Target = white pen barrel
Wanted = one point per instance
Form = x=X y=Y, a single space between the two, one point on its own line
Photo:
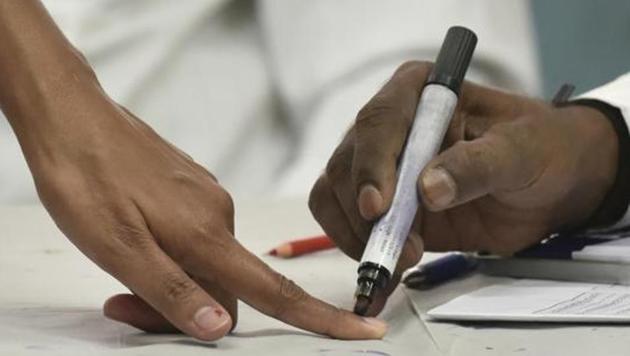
x=433 y=114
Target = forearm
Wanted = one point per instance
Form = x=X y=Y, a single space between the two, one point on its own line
x=41 y=72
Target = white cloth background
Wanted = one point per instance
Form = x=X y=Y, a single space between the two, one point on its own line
x=260 y=92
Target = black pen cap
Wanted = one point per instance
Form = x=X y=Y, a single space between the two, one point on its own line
x=454 y=57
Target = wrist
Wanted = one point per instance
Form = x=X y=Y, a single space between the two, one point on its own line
x=43 y=76
x=597 y=144
x=616 y=202
x=49 y=109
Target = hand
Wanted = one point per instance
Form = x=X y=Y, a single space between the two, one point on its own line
x=133 y=203
x=512 y=169
x=161 y=224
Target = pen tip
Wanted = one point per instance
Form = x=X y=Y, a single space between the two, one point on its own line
x=273 y=252
x=361 y=305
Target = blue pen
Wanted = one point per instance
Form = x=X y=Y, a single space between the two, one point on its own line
x=439 y=271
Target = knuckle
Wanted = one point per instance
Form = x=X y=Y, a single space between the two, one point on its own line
x=183 y=178
x=379 y=111
x=331 y=324
x=192 y=181
x=201 y=229
x=212 y=223
x=131 y=235
x=316 y=196
x=414 y=67
x=340 y=164
x=290 y=295
x=205 y=171
x=413 y=73
x=290 y=291
x=177 y=288
x=381 y=123
x=209 y=230
x=225 y=201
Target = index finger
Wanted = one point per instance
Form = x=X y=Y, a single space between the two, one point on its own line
x=268 y=291
x=381 y=130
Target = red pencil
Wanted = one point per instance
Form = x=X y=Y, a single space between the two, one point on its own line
x=303 y=246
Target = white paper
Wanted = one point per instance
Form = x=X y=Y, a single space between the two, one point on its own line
x=617 y=250
x=540 y=301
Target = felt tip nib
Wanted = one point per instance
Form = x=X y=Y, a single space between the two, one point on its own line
x=361 y=305
x=273 y=252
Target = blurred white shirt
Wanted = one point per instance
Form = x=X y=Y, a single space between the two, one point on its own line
x=260 y=92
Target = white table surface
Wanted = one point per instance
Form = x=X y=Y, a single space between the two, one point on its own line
x=515 y=338
x=51 y=297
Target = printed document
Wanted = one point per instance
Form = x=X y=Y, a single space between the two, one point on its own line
x=540 y=301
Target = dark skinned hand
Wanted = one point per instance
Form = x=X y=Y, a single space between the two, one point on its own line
x=512 y=170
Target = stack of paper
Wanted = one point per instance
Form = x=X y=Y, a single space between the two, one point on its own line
x=540 y=301
x=612 y=251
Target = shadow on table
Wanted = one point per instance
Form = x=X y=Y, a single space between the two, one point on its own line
x=80 y=326
x=68 y=327
x=274 y=332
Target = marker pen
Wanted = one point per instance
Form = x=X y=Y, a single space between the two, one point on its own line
x=433 y=114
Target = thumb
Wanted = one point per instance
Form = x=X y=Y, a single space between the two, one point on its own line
x=472 y=169
x=131 y=309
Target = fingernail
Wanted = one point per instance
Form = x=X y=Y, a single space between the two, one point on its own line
x=378 y=326
x=370 y=202
x=210 y=319
x=438 y=187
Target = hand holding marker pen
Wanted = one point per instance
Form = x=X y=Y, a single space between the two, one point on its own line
x=435 y=108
